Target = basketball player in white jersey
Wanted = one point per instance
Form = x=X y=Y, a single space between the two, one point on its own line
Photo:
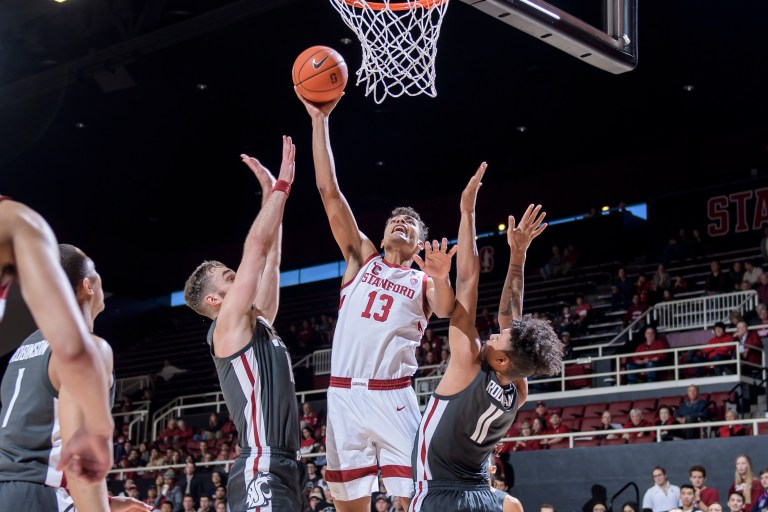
x=384 y=308
x=28 y=252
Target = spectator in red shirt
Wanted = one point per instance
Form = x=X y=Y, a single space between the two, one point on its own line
x=762 y=288
x=308 y=442
x=750 y=346
x=665 y=418
x=565 y=323
x=583 y=313
x=185 y=432
x=310 y=417
x=705 y=496
x=543 y=412
x=555 y=428
x=527 y=445
x=650 y=344
x=484 y=323
x=721 y=353
x=170 y=432
x=635 y=310
x=731 y=430
x=636 y=421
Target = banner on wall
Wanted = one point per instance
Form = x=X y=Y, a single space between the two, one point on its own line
x=728 y=216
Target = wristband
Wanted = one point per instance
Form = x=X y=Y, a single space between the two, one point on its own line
x=282 y=186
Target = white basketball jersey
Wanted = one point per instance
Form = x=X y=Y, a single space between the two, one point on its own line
x=382 y=317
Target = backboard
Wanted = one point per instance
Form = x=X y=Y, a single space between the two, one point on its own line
x=612 y=48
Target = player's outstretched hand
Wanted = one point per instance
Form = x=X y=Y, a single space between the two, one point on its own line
x=469 y=195
x=126 y=504
x=265 y=177
x=531 y=225
x=288 y=165
x=87 y=456
x=437 y=259
x=318 y=110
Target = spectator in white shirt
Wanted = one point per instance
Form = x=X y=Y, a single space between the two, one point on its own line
x=752 y=274
x=663 y=496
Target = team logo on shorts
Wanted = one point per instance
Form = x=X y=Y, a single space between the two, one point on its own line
x=259 y=494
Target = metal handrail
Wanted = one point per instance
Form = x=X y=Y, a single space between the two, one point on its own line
x=628 y=330
x=657 y=429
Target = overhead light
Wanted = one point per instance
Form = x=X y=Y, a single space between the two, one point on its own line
x=688 y=88
x=59 y=1
x=605 y=208
x=522 y=129
x=79 y=124
x=202 y=87
x=502 y=227
x=345 y=40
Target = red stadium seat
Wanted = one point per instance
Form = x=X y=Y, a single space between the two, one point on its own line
x=577 y=370
x=573 y=411
x=592 y=410
x=762 y=428
x=588 y=424
x=572 y=423
x=646 y=405
x=670 y=401
x=560 y=445
x=641 y=440
x=620 y=407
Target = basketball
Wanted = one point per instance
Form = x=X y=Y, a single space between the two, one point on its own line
x=320 y=74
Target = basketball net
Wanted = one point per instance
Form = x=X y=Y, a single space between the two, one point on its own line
x=399 y=41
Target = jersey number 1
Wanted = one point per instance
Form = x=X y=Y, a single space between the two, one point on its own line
x=382 y=315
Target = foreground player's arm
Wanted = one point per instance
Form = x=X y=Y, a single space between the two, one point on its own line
x=233 y=329
x=511 y=504
x=87 y=496
x=354 y=245
x=462 y=336
x=49 y=296
x=268 y=295
x=519 y=239
x=440 y=295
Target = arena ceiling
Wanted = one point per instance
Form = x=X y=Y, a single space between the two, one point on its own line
x=122 y=122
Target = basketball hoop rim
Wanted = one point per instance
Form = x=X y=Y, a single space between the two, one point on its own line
x=394 y=6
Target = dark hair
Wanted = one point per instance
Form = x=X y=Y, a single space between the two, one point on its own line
x=534 y=348
x=410 y=212
x=698 y=468
x=630 y=504
x=687 y=486
x=660 y=469
x=763 y=471
x=75 y=264
x=737 y=493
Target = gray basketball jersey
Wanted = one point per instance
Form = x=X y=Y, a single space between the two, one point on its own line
x=499 y=496
x=457 y=433
x=258 y=387
x=30 y=439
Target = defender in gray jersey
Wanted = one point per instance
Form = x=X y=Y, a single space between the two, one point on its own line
x=39 y=413
x=252 y=362
x=485 y=383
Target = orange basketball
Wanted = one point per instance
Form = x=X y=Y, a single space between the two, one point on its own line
x=320 y=74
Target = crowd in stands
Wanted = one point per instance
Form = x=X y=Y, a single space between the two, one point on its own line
x=748 y=492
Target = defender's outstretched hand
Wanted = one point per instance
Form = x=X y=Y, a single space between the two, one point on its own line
x=318 y=110
x=265 y=177
x=437 y=259
x=87 y=456
x=469 y=195
x=520 y=237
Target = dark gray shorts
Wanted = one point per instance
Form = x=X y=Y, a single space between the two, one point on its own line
x=442 y=496
x=32 y=496
x=277 y=485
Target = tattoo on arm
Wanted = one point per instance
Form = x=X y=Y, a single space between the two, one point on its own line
x=512 y=294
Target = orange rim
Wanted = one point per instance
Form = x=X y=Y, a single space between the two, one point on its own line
x=394 y=6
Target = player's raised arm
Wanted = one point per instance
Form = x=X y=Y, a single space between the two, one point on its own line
x=233 y=323
x=49 y=296
x=354 y=245
x=519 y=238
x=463 y=338
x=268 y=295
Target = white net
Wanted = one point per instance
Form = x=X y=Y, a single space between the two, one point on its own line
x=399 y=42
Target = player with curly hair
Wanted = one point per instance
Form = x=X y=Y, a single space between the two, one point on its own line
x=485 y=383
